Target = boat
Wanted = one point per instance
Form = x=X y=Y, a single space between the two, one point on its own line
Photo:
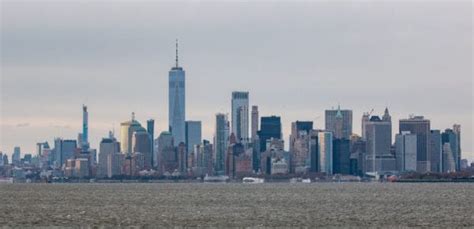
x=208 y=178
x=253 y=180
x=8 y=180
x=300 y=180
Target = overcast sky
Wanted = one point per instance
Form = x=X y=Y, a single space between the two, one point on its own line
x=295 y=59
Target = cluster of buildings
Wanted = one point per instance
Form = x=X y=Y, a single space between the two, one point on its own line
x=246 y=145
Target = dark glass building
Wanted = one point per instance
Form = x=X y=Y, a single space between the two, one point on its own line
x=341 y=156
x=270 y=127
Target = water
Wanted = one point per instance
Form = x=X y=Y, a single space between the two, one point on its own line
x=243 y=205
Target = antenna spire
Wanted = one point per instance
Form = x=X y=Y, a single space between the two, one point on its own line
x=176 y=52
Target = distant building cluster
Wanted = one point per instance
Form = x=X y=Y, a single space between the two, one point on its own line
x=245 y=146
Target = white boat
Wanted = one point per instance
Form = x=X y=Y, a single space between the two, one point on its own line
x=253 y=180
x=299 y=180
x=6 y=180
x=208 y=178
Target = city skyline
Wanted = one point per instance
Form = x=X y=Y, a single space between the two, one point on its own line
x=26 y=127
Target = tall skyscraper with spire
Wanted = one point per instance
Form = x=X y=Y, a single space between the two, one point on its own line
x=176 y=102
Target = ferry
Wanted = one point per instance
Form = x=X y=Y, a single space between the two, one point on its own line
x=253 y=180
x=208 y=178
x=6 y=180
x=300 y=180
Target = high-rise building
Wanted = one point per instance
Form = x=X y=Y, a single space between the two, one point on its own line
x=85 y=129
x=167 y=157
x=68 y=149
x=378 y=134
x=405 y=146
x=126 y=133
x=150 y=128
x=449 y=164
x=220 y=142
x=452 y=137
x=270 y=127
x=107 y=146
x=421 y=127
x=436 y=151
x=300 y=146
x=339 y=122
x=176 y=103
x=141 y=142
x=254 y=122
x=193 y=134
x=341 y=156
x=240 y=115
x=16 y=157
x=457 y=131
x=325 y=145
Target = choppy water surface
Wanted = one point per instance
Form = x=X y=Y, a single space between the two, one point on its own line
x=243 y=205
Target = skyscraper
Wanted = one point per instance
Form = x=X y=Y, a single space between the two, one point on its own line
x=85 y=129
x=405 y=147
x=240 y=115
x=141 y=142
x=339 y=122
x=220 y=142
x=270 y=127
x=341 y=156
x=107 y=147
x=16 y=157
x=378 y=133
x=150 y=128
x=254 y=122
x=126 y=133
x=176 y=103
x=193 y=134
x=325 y=152
x=300 y=146
x=452 y=137
x=421 y=127
x=436 y=151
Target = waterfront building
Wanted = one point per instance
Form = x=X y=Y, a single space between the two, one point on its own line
x=274 y=149
x=81 y=167
x=177 y=101
x=240 y=115
x=193 y=134
x=449 y=163
x=378 y=135
x=358 y=153
x=436 y=151
x=452 y=136
x=339 y=122
x=325 y=145
x=270 y=127
x=341 y=156
x=300 y=146
x=221 y=137
x=114 y=164
x=167 y=158
x=405 y=145
x=421 y=127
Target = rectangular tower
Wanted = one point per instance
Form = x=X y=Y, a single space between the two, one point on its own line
x=240 y=115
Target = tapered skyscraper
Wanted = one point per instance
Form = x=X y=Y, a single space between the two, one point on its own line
x=176 y=103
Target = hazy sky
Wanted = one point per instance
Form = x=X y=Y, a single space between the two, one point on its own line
x=296 y=59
